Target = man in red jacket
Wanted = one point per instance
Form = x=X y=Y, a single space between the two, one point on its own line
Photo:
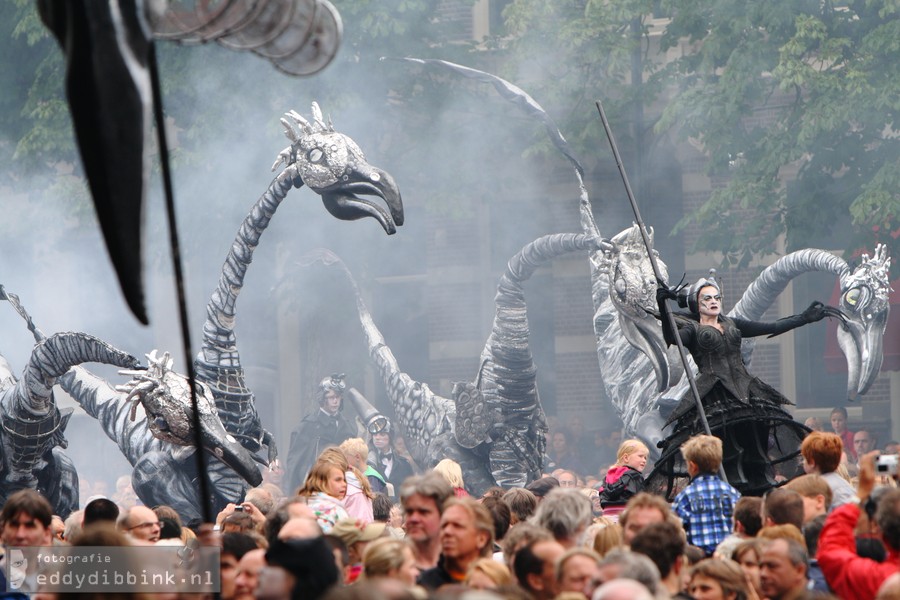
x=849 y=575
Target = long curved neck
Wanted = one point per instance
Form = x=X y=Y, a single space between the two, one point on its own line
x=766 y=288
x=508 y=342
x=219 y=343
x=50 y=359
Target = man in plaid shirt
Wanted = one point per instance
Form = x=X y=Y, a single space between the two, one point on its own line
x=706 y=505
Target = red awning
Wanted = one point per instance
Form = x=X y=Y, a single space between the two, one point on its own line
x=834 y=358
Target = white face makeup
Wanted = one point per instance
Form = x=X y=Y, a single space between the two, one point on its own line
x=710 y=301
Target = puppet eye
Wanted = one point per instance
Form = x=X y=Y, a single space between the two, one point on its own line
x=856 y=298
x=315 y=155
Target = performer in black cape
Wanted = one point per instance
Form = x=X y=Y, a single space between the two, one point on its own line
x=324 y=427
x=760 y=439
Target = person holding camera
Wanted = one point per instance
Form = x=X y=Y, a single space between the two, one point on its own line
x=849 y=575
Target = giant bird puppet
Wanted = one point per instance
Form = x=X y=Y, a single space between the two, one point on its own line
x=330 y=164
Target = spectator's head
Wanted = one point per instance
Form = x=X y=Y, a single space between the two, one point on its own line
x=500 y=514
x=541 y=487
x=567 y=479
x=783 y=506
x=389 y=557
x=633 y=453
x=291 y=508
x=782 y=568
x=308 y=568
x=247 y=576
x=381 y=508
x=704 y=451
x=451 y=472
x=26 y=518
x=520 y=536
x=748 y=515
x=467 y=531
x=816 y=494
x=663 y=543
x=892 y=447
x=787 y=531
x=423 y=499
x=607 y=537
x=261 y=498
x=237 y=522
x=811 y=532
x=140 y=523
x=747 y=555
x=839 y=420
x=863 y=442
x=535 y=568
x=821 y=452
x=357 y=535
x=522 y=504
x=622 y=589
x=565 y=513
x=297 y=528
x=718 y=578
x=624 y=564
x=560 y=441
x=576 y=571
x=887 y=516
x=327 y=476
x=641 y=510
x=100 y=510
x=356 y=451
x=487 y=574
x=234 y=547
x=73 y=525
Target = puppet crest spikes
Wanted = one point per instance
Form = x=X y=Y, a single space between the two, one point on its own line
x=296 y=127
x=878 y=267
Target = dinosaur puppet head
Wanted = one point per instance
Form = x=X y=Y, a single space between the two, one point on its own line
x=632 y=290
x=166 y=398
x=333 y=166
x=865 y=294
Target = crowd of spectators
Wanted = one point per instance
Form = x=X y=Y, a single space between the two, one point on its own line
x=564 y=536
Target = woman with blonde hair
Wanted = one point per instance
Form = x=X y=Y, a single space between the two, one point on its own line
x=717 y=579
x=392 y=558
x=452 y=473
x=607 y=537
x=325 y=489
x=488 y=574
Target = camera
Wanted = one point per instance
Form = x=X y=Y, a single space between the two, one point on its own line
x=241 y=508
x=887 y=465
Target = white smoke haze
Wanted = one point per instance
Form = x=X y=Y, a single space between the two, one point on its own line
x=466 y=162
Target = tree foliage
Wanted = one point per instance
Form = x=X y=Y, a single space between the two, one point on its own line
x=794 y=103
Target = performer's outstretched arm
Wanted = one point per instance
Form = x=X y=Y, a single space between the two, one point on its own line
x=815 y=312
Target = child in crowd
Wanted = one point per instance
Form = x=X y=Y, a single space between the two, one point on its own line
x=706 y=505
x=839 y=425
x=624 y=479
x=326 y=487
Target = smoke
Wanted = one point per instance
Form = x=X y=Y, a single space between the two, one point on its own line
x=456 y=150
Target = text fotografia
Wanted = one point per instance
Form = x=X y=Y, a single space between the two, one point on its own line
x=97 y=569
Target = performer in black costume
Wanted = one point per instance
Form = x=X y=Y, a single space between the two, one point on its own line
x=318 y=430
x=758 y=435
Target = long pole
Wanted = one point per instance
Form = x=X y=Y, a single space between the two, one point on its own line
x=667 y=313
x=202 y=475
